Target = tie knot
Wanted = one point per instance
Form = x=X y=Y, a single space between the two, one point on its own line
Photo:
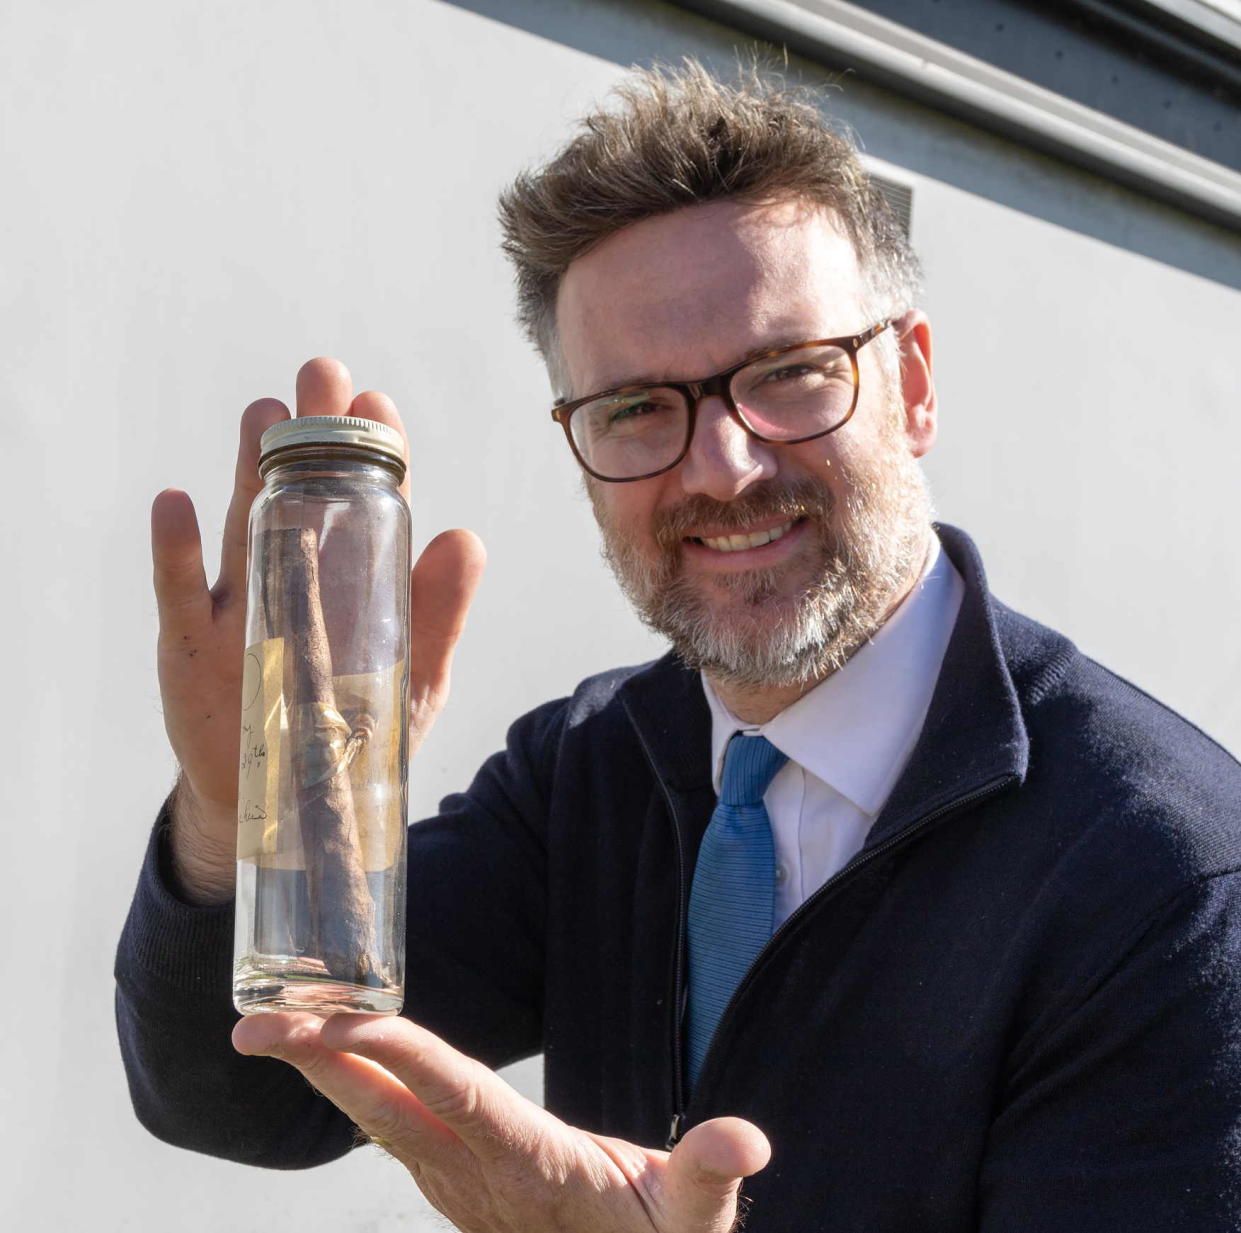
x=750 y=764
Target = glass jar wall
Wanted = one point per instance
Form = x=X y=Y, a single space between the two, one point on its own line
x=321 y=874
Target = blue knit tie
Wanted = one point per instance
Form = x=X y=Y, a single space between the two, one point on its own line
x=732 y=902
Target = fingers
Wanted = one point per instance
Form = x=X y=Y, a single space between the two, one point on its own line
x=256 y=419
x=373 y=405
x=441 y=588
x=365 y=1092
x=470 y=1100
x=181 y=594
x=705 y=1172
x=324 y=387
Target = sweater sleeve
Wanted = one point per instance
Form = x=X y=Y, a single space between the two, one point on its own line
x=474 y=970
x=1127 y=1116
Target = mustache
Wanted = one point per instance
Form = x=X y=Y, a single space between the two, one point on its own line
x=790 y=500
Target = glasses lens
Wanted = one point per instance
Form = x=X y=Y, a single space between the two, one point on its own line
x=796 y=394
x=632 y=433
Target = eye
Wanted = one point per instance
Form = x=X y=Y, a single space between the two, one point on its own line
x=795 y=375
x=790 y=372
x=628 y=411
x=633 y=410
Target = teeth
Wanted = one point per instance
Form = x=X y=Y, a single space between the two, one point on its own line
x=735 y=543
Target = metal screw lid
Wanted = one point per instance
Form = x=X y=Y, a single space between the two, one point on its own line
x=344 y=431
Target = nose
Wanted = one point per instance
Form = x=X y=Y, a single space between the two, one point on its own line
x=723 y=459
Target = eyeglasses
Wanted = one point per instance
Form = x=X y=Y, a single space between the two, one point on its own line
x=783 y=397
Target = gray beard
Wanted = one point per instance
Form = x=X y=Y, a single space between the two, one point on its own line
x=870 y=549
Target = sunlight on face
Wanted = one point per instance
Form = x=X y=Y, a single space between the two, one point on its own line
x=682 y=295
x=761 y=627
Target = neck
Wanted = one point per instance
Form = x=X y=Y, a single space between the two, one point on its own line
x=756 y=704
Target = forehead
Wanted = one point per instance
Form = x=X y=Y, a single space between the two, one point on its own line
x=688 y=293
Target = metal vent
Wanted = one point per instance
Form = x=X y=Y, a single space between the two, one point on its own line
x=900 y=199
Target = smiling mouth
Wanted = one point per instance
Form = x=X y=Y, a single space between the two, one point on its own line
x=739 y=543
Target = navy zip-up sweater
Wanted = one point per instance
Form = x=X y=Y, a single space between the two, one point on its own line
x=1017 y=1010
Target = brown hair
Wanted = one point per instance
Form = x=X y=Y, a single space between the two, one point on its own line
x=681 y=137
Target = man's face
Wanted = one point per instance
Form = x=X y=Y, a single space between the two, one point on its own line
x=681 y=296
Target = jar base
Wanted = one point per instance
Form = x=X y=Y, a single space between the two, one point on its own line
x=294 y=988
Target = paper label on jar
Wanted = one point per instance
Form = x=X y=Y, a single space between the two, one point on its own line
x=262 y=722
x=371 y=704
x=359 y=737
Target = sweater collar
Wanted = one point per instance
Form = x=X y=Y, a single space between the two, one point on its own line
x=973 y=735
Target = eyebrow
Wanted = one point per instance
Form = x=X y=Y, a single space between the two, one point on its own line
x=755 y=353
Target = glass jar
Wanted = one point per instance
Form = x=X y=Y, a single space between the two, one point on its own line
x=325 y=723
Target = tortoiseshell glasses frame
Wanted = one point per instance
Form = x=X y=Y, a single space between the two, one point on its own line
x=719 y=384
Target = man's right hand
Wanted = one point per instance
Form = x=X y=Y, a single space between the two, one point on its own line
x=202 y=632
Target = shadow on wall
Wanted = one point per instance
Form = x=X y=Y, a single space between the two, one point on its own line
x=900 y=131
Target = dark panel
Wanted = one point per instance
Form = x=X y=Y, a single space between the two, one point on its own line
x=1102 y=54
x=904 y=132
x=900 y=199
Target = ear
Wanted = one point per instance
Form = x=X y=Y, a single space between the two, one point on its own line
x=917 y=386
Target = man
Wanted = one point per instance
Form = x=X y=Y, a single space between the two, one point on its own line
x=871 y=892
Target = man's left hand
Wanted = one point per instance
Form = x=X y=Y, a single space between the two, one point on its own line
x=489 y=1159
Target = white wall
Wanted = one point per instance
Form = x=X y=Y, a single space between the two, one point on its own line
x=201 y=196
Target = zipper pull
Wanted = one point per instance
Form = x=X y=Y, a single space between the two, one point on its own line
x=674 y=1131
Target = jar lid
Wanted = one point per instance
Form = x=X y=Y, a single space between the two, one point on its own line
x=339 y=431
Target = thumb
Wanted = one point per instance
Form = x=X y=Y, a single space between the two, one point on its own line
x=705 y=1170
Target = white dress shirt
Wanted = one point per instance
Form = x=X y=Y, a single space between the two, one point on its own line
x=849 y=738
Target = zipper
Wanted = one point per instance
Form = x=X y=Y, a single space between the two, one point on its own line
x=677 y=998
x=906 y=835
x=674 y=1131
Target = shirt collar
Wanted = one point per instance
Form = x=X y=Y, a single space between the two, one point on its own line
x=856 y=729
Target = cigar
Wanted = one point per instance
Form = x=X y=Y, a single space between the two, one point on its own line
x=322 y=746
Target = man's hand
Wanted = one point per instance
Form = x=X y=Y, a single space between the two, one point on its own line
x=490 y=1160
x=202 y=631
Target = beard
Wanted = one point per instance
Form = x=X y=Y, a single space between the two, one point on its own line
x=795 y=623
